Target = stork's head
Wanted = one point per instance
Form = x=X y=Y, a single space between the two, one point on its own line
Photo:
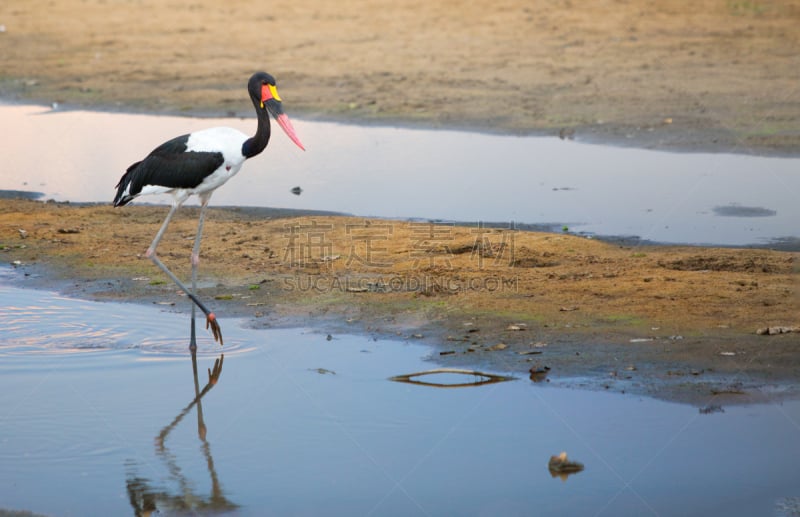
x=265 y=96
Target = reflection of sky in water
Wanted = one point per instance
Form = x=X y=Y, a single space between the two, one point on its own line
x=391 y=172
x=77 y=429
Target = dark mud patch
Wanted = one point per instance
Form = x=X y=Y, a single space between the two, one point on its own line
x=734 y=210
x=730 y=263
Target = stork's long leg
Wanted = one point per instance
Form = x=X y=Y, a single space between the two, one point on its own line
x=211 y=320
x=196 y=261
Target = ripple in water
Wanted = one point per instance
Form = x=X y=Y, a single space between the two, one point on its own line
x=40 y=322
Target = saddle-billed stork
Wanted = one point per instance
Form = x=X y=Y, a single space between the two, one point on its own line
x=199 y=163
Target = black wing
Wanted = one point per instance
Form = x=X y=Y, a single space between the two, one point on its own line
x=168 y=165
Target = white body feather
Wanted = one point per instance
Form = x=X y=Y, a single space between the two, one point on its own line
x=225 y=140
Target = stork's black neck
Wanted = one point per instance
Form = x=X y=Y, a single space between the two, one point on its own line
x=254 y=145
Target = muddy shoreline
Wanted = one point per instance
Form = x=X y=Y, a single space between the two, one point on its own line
x=677 y=323
x=699 y=370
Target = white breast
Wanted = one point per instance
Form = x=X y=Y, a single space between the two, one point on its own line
x=225 y=140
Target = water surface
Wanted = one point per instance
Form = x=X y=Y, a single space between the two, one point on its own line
x=97 y=418
x=697 y=198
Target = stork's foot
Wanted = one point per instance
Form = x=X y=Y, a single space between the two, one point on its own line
x=213 y=375
x=211 y=322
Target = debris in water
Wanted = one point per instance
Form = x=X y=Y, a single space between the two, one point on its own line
x=562 y=467
x=566 y=133
x=538 y=373
x=498 y=346
x=712 y=408
x=517 y=326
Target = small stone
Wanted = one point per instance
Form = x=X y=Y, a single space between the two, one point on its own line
x=713 y=408
x=538 y=373
x=562 y=464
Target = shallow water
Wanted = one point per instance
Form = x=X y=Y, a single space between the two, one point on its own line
x=696 y=198
x=96 y=418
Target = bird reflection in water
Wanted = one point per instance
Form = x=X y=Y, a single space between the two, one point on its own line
x=147 y=499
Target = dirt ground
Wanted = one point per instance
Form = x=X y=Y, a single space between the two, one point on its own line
x=673 y=322
x=680 y=74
